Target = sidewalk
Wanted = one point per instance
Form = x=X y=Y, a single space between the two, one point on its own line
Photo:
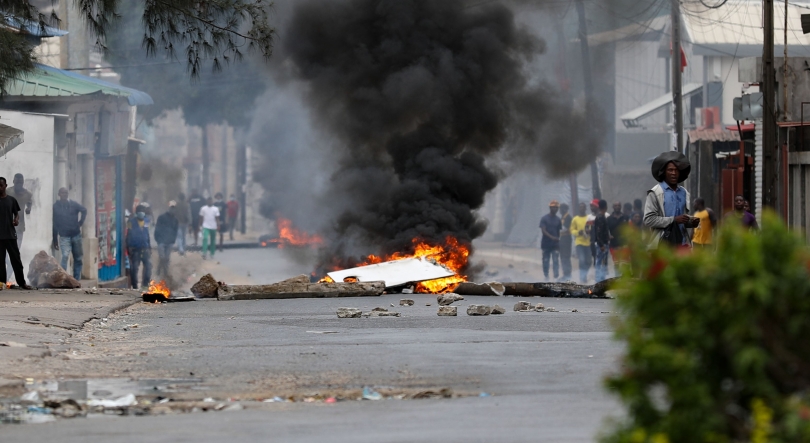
x=34 y=324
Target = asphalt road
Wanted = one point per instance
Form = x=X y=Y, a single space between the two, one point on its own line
x=543 y=371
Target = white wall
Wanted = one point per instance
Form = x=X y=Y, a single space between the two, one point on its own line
x=726 y=70
x=35 y=160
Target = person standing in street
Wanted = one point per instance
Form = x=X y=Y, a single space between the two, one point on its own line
x=666 y=211
x=166 y=229
x=589 y=227
x=551 y=225
x=139 y=248
x=703 y=236
x=195 y=203
x=232 y=208
x=582 y=242
x=9 y=219
x=68 y=219
x=565 y=242
x=209 y=215
x=25 y=200
x=617 y=221
x=183 y=215
x=741 y=215
x=601 y=236
x=219 y=202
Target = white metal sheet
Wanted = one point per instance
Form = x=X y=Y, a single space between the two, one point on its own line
x=395 y=273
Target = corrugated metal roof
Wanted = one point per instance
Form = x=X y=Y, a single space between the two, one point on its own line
x=736 y=28
x=630 y=119
x=712 y=135
x=9 y=138
x=47 y=81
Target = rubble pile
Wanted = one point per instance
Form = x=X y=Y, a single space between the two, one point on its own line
x=44 y=272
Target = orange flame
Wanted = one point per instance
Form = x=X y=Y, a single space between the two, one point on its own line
x=452 y=255
x=9 y=285
x=290 y=236
x=159 y=288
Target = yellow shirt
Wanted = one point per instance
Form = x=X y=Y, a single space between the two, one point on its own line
x=703 y=233
x=581 y=237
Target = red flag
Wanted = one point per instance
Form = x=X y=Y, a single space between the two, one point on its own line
x=684 y=64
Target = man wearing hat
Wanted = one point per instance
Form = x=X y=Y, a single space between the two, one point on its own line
x=666 y=211
x=165 y=236
x=551 y=225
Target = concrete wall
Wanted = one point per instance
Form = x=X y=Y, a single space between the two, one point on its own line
x=35 y=160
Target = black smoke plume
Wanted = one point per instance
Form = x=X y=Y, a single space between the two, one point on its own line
x=420 y=93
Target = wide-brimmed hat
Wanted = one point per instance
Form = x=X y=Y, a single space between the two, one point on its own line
x=659 y=165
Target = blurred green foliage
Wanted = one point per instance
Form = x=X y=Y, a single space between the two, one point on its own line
x=717 y=342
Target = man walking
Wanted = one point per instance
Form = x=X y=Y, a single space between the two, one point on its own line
x=704 y=234
x=551 y=226
x=139 y=248
x=565 y=242
x=582 y=242
x=223 y=224
x=232 y=208
x=165 y=235
x=68 y=218
x=601 y=235
x=9 y=219
x=195 y=203
x=183 y=215
x=666 y=211
x=209 y=215
x=617 y=221
x=24 y=200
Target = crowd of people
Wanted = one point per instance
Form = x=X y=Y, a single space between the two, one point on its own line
x=197 y=216
x=597 y=237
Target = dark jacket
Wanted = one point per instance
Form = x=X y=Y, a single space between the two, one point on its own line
x=66 y=221
x=166 y=229
x=137 y=236
x=183 y=213
x=601 y=232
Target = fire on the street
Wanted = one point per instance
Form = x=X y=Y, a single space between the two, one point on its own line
x=157 y=292
x=9 y=285
x=451 y=254
x=291 y=236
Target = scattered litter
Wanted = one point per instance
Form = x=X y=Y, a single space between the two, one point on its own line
x=133 y=326
x=407 y=291
x=330 y=400
x=208 y=400
x=371 y=394
x=442 y=393
x=406 y=302
x=32 y=396
x=552 y=310
x=13 y=344
x=484 y=394
x=127 y=400
x=274 y=400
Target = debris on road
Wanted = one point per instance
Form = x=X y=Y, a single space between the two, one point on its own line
x=206 y=287
x=448 y=311
x=44 y=272
x=380 y=312
x=551 y=310
x=522 y=306
x=126 y=400
x=371 y=394
x=561 y=290
x=497 y=310
x=448 y=299
x=479 y=310
x=470 y=288
x=406 y=302
x=395 y=273
x=539 y=307
x=300 y=287
x=349 y=313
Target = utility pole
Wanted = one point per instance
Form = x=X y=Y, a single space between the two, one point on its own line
x=677 y=81
x=586 y=74
x=769 y=191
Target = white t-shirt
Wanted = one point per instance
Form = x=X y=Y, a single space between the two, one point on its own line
x=209 y=215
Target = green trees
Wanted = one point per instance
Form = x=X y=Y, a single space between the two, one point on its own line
x=200 y=32
x=718 y=344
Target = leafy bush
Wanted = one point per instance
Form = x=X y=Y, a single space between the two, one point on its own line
x=717 y=343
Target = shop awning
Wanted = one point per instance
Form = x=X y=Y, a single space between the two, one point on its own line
x=10 y=138
x=631 y=119
x=47 y=81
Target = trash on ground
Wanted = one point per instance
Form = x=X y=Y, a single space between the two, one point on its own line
x=371 y=394
x=120 y=402
x=406 y=302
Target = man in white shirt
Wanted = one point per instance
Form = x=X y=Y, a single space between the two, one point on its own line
x=209 y=215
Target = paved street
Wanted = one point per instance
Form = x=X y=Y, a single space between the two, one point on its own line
x=543 y=371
